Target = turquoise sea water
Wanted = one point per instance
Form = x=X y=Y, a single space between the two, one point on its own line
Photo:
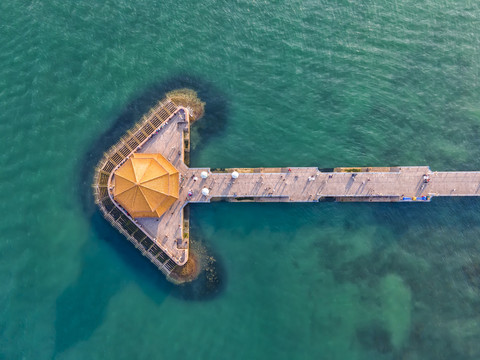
x=306 y=83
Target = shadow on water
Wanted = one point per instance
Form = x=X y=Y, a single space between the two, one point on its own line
x=101 y=278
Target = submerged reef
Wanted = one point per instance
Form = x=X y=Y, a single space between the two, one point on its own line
x=189 y=99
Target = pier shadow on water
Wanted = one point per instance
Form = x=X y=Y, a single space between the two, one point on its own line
x=101 y=278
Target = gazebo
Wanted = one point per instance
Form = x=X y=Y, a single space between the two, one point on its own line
x=146 y=185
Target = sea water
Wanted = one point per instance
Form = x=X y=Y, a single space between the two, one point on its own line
x=287 y=83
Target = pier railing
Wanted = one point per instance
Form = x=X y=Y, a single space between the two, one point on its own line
x=116 y=156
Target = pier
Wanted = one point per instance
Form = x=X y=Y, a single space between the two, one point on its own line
x=144 y=182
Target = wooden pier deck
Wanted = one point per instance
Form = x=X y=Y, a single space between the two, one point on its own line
x=112 y=159
x=165 y=240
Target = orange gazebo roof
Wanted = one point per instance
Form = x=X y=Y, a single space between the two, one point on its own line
x=146 y=185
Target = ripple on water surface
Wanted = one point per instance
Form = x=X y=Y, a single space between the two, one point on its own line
x=304 y=83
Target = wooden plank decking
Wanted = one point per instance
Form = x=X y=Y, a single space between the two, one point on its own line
x=114 y=157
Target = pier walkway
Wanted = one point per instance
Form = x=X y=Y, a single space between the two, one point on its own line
x=167 y=237
x=310 y=184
